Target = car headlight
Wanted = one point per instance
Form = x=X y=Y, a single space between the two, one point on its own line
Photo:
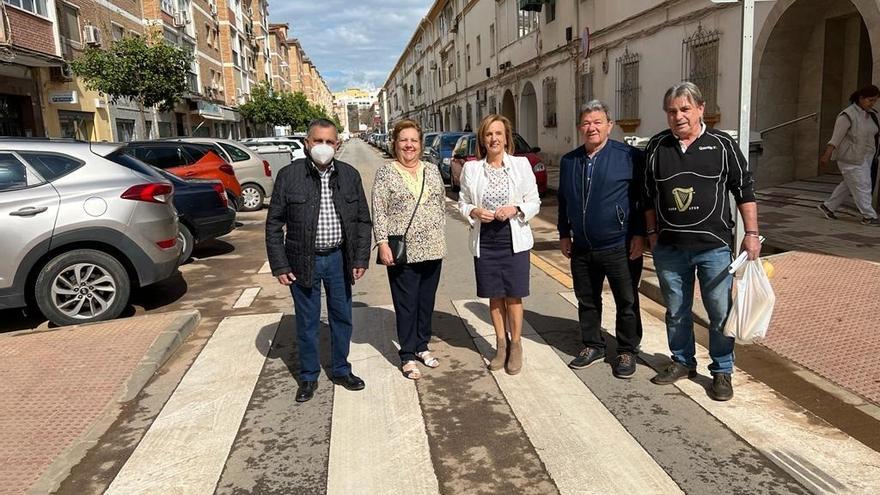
x=539 y=167
x=447 y=161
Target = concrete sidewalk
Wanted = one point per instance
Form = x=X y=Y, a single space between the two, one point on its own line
x=62 y=388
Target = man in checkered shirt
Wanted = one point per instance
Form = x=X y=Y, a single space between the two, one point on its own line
x=318 y=232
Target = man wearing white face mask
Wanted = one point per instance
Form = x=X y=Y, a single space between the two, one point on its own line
x=318 y=230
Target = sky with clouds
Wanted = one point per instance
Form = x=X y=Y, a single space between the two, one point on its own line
x=353 y=43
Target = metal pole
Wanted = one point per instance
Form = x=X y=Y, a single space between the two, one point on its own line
x=745 y=95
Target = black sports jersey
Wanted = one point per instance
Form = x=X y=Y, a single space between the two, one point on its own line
x=689 y=189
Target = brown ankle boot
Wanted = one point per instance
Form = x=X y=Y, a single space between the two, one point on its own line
x=515 y=357
x=500 y=357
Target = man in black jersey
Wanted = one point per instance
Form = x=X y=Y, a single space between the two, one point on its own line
x=690 y=169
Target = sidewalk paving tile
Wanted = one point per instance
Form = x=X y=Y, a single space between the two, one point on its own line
x=55 y=384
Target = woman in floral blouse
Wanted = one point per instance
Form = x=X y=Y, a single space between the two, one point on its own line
x=396 y=191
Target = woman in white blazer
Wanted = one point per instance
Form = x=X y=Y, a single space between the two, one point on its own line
x=498 y=197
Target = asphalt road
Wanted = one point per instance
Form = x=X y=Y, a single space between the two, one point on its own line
x=461 y=429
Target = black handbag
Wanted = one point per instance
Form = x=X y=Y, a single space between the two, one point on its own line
x=397 y=243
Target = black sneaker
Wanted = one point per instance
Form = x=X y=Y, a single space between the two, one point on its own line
x=871 y=222
x=722 y=388
x=625 y=366
x=586 y=357
x=825 y=211
x=673 y=373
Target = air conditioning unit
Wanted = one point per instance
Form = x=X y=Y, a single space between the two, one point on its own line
x=213 y=6
x=179 y=20
x=61 y=74
x=92 y=35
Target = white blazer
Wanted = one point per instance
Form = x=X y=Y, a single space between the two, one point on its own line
x=523 y=192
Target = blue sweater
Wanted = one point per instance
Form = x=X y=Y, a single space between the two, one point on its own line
x=599 y=197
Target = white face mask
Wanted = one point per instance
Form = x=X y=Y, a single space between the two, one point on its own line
x=322 y=153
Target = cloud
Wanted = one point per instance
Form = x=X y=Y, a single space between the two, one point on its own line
x=352 y=43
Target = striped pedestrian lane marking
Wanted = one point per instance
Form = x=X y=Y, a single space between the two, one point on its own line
x=265 y=268
x=821 y=457
x=186 y=447
x=568 y=426
x=246 y=298
x=378 y=441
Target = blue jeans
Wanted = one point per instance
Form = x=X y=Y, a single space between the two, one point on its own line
x=329 y=269
x=675 y=269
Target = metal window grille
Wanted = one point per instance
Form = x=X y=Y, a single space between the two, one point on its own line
x=550 y=102
x=628 y=86
x=526 y=22
x=699 y=55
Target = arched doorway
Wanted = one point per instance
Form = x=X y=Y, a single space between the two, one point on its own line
x=508 y=107
x=809 y=56
x=528 y=112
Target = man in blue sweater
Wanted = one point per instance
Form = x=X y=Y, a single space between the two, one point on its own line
x=601 y=229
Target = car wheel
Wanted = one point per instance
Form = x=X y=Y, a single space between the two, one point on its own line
x=186 y=241
x=251 y=197
x=82 y=286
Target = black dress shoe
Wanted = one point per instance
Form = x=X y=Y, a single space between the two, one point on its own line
x=306 y=391
x=672 y=373
x=350 y=381
x=722 y=387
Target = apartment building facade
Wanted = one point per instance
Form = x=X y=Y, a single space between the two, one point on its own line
x=231 y=42
x=537 y=61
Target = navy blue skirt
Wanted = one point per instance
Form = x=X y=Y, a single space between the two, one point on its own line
x=500 y=272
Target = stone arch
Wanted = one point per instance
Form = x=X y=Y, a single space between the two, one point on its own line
x=508 y=107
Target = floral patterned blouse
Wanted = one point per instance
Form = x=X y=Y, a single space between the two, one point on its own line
x=393 y=204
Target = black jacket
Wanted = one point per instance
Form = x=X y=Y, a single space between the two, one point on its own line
x=292 y=221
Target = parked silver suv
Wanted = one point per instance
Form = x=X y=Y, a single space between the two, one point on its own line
x=81 y=226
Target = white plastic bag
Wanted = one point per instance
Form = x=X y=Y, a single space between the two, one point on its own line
x=753 y=302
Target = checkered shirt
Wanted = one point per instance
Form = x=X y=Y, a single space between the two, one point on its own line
x=329 y=233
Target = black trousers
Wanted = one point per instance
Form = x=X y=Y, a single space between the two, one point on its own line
x=413 y=291
x=589 y=270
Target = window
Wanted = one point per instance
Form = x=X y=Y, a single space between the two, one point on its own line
x=520 y=145
x=526 y=22
x=479 y=52
x=167 y=6
x=35 y=6
x=700 y=66
x=628 y=86
x=587 y=87
x=419 y=74
x=50 y=165
x=163 y=157
x=491 y=40
x=209 y=34
x=467 y=55
x=68 y=29
x=77 y=125
x=457 y=64
x=124 y=130
x=13 y=174
x=237 y=154
x=148 y=129
x=550 y=13
x=550 y=102
x=164 y=129
x=117 y=31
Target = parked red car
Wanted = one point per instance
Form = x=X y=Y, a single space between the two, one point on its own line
x=188 y=161
x=466 y=150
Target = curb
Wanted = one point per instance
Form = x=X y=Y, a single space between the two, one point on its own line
x=166 y=343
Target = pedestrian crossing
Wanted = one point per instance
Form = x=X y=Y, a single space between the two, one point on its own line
x=379 y=441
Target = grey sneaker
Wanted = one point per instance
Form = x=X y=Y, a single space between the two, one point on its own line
x=871 y=222
x=826 y=212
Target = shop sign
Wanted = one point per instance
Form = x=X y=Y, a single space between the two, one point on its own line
x=63 y=97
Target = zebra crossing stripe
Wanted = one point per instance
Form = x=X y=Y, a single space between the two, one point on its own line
x=185 y=449
x=265 y=268
x=583 y=446
x=821 y=457
x=378 y=442
x=246 y=298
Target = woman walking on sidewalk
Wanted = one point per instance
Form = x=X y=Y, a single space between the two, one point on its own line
x=409 y=224
x=498 y=197
x=854 y=146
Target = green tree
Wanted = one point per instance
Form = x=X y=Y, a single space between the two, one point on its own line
x=270 y=107
x=149 y=71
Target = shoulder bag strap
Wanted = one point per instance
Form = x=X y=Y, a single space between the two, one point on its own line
x=424 y=173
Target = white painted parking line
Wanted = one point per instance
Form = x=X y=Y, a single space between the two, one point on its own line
x=823 y=458
x=265 y=268
x=185 y=449
x=246 y=298
x=568 y=426
x=378 y=442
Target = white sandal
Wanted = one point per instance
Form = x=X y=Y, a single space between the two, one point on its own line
x=427 y=359
x=411 y=370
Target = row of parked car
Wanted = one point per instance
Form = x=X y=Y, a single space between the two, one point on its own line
x=86 y=223
x=450 y=150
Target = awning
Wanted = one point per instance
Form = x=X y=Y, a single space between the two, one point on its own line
x=209 y=110
x=29 y=58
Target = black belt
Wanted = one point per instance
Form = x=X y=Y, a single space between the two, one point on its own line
x=326 y=251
